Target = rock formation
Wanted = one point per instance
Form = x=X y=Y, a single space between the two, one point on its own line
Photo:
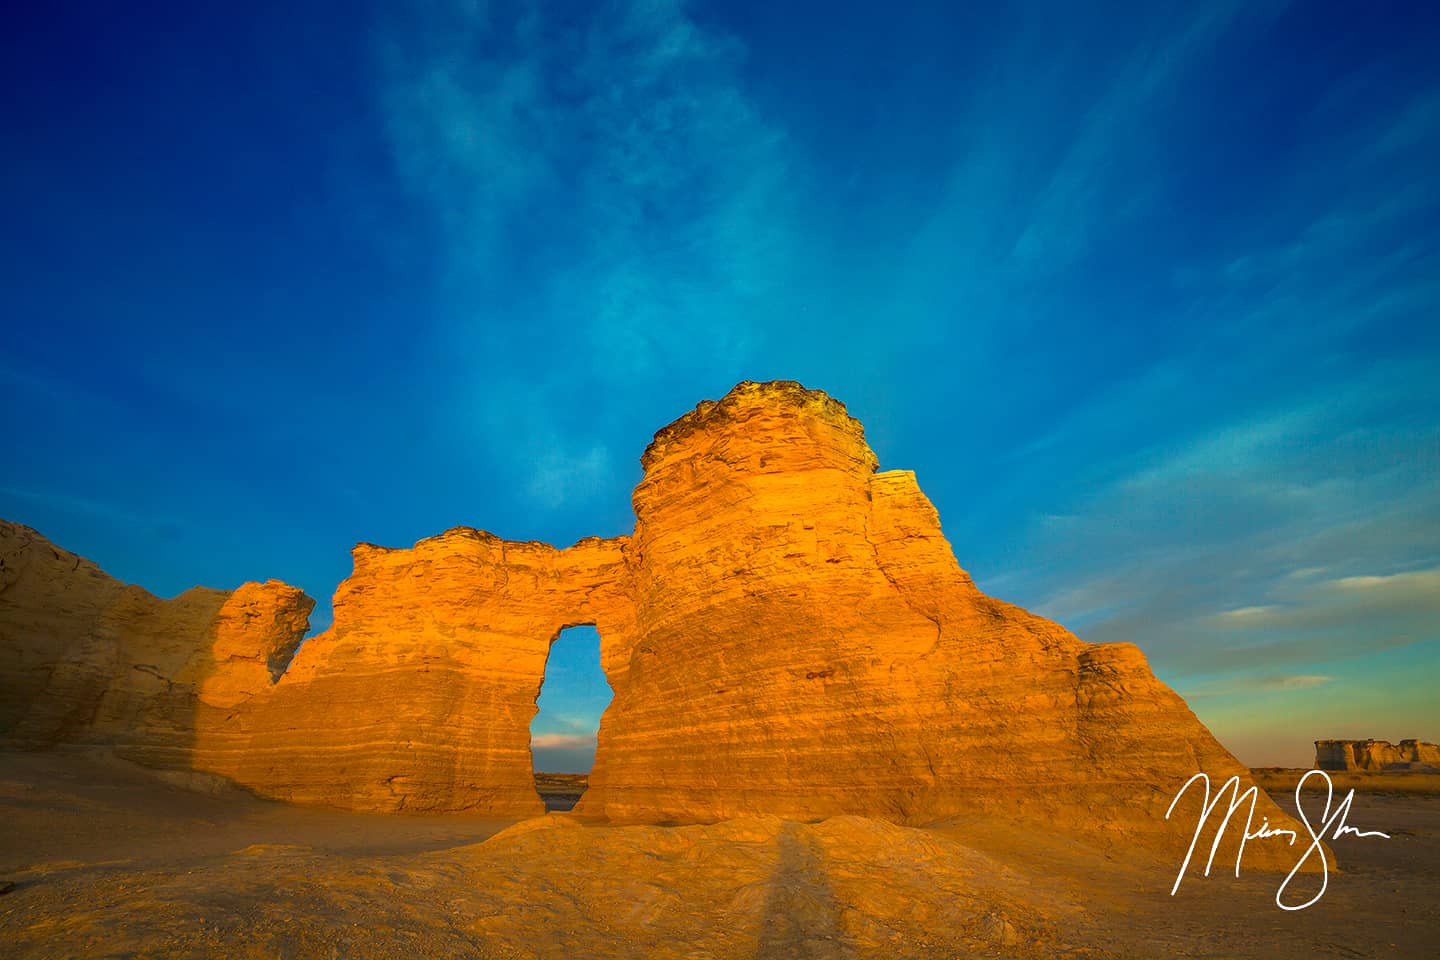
x=1376 y=755
x=91 y=660
x=806 y=645
x=421 y=694
x=787 y=632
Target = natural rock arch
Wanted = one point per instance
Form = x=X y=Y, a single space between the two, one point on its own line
x=420 y=695
x=787 y=631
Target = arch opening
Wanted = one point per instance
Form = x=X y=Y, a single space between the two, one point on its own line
x=573 y=693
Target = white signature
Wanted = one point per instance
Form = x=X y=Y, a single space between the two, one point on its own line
x=1328 y=820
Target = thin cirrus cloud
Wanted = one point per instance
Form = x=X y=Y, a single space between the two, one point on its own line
x=1260 y=563
x=563 y=741
x=563 y=753
x=1052 y=168
x=1083 y=278
x=1244 y=515
x=560 y=477
x=1411 y=597
x=1274 y=683
x=1297 y=682
x=1262 y=478
x=617 y=149
x=1144 y=293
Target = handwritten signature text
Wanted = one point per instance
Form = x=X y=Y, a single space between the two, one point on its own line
x=1332 y=825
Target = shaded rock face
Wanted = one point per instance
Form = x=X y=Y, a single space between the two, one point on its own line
x=786 y=632
x=1376 y=755
x=91 y=660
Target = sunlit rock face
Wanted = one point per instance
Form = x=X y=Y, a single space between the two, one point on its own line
x=420 y=696
x=787 y=632
x=806 y=645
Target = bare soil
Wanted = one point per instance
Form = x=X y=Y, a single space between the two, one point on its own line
x=108 y=861
x=1278 y=780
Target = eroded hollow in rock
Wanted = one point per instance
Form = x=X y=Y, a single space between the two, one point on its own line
x=572 y=697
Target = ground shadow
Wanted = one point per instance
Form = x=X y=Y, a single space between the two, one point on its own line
x=802 y=916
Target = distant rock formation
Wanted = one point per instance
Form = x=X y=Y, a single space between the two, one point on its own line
x=1377 y=755
x=786 y=632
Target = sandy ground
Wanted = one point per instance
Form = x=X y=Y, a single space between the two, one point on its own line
x=109 y=862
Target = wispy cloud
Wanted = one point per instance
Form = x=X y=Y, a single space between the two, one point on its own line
x=623 y=138
x=1212 y=489
x=1302 y=681
x=1417 y=585
x=562 y=741
x=1258 y=544
x=1245 y=614
x=1049 y=162
x=601 y=180
x=563 y=753
x=560 y=477
x=1242 y=530
x=1363 y=602
x=1247 y=684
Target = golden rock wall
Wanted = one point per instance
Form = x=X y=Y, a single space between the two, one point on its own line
x=786 y=631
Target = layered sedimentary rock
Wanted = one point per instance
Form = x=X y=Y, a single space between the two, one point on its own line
x=92 y=660
x=1375 y=755
x=419 y=697
x=807 y=645
x=786 y=632
x=421 y=694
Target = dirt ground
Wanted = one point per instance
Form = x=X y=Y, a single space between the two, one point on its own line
x=106 y=861
x=1278 y=780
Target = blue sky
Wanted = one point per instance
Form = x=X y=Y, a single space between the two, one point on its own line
x=1146 y=294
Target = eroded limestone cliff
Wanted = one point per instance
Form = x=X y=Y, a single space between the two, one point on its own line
x=1375 y=755
x=91 y=660
x=807 y=645
x=420 y=696
x=787 y=632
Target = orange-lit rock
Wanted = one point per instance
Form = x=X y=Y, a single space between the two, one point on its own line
x=787 y=632
x=420 y=696
x=806 y=645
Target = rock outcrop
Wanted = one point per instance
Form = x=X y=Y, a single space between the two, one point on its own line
x=787 y=632
x=420 y=696
x=1376 y=755
x=91 y=660
x=806 y=645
